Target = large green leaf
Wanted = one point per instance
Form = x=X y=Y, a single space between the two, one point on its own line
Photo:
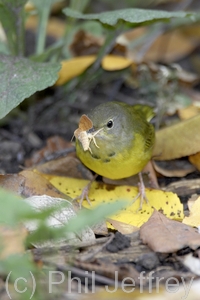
x=133 y=16
x=20 y=78
x=12 y=19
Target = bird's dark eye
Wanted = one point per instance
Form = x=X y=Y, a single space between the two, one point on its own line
x=110 y=124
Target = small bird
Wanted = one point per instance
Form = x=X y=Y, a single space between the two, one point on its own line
x=120 y=141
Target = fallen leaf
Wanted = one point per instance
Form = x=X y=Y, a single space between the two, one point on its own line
x=36 y=184
x=165 y=49
x=61 y=217
x=191 y=201
x=192 y=263
x=100 y=193
x=188 y=112
x=195 y=160
x=122 y=227
x=66 y=166
x=194 y=217
x=114 y=63
x=76 y=66
x=28 y=183
x=167 y=236
x=184 y=187
x=85 y=43
x=12 y=240
x=181 y=139
x=174 y=168
x=53 y=144
x=100 y=228
x=14 y=183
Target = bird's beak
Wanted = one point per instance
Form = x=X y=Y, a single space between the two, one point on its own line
x=94 y=131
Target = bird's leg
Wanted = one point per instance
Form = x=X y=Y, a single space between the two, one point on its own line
x=141 y=193
x=85 y=192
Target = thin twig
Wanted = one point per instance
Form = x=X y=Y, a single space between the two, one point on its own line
x=88 y=256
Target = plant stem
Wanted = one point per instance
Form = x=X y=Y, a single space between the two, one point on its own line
x=107 y=46
x=43 y=20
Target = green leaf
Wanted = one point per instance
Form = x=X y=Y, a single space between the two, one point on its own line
x=19 y=269
x=12 y=208
x=134 y=16
x=19 y=264
x=20 y=78
x=12 y=19
x=93 y=216
x=14 y=4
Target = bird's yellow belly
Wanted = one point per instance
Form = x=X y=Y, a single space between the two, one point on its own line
x=121 y=165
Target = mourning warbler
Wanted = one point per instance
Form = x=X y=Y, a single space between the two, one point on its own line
x=120 y=139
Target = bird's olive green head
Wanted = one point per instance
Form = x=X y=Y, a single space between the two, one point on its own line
x=115 y=121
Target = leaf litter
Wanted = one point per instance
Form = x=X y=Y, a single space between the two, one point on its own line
x=26 y=178
x=159 y=229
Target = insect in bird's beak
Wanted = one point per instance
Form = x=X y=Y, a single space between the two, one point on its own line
x=85 y=133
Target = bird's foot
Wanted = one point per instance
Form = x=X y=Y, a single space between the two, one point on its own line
x=85 y=193
x=141 y=193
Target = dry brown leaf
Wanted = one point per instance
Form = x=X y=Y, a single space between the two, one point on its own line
x=159 y=229
x=28 y=183
x=185 y=78
x=165 y=48
x=122 y=227
x=188 y=112
x=12 y=240
x=170 y=47
x=85 y=44
x=192 y=200
x=129 y=36
x=195 y=160
x=174 y=168
x=53 y=144
x=66 y=166
x=14 y=183
x=100 y=228
x=194 y=217
x=182 y=139
x=184 y=188
x=192 y=31
x=36 y=184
